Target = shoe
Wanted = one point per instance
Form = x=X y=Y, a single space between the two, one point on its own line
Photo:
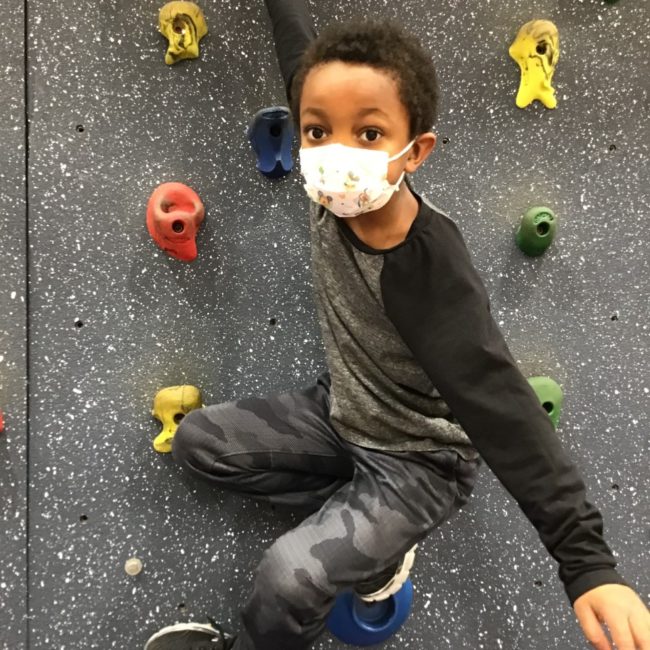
x=191 y=636
x=270 y=134
x=388 y=582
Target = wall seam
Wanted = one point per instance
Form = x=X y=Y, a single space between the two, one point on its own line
x=27 y=328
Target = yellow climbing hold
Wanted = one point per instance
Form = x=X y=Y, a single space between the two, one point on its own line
x=183 y=24
x=537 y=50
x=170 y=405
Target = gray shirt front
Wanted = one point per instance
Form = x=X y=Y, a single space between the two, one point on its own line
x=380 y=395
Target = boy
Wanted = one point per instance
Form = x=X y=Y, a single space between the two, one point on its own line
x=385 y=446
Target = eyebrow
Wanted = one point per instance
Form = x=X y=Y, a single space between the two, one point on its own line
x=362 y=112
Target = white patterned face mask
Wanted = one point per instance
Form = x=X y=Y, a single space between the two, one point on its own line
x=348 y=181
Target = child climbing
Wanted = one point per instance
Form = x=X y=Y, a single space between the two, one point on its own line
x=420 y=386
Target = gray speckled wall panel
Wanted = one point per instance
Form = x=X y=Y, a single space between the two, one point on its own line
x=13 y=332
x=113 y=319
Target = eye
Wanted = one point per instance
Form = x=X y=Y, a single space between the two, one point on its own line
x=372 y=134
x=317 y=132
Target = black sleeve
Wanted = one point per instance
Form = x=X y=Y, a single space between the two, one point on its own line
x=435 y=297
x=293 y=31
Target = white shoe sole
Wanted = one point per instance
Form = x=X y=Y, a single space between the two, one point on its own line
x=395 y=583
x=183 y=627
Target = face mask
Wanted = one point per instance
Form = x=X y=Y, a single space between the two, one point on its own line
x=348 y=181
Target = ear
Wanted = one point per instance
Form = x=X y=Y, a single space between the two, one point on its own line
x=420 y=151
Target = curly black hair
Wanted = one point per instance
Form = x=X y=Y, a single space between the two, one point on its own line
x=382 y=44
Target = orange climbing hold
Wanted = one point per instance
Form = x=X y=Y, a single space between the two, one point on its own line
x=174 y=214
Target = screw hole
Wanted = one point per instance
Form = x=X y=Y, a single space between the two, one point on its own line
x=83 y=518
x=78 y=323
x=80 y=128
x=272 y=321
x=445 y=140
x=615 y=486
x=612 y=147
x=179 y=26
x=178 y=226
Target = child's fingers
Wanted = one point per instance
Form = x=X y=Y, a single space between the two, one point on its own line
x=592 y=628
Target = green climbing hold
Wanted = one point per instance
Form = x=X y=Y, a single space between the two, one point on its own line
x=550 y=396
x=536 y=230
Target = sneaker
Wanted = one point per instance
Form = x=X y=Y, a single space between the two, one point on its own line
x=388 y=582
x=191 y=636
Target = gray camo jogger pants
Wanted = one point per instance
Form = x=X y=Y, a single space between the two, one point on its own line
x=368 y=507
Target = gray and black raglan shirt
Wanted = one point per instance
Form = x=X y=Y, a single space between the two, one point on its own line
x=417 y=362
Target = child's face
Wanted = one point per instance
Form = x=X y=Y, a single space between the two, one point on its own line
x=355 y=105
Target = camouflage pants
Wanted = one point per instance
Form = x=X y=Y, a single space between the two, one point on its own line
x=368 y=507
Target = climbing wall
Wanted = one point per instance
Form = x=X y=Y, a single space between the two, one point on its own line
x=95 y=318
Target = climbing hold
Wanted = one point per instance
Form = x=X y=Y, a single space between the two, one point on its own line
x=270 y=134
x=2 y=422
x=133 y=566
x=550 y=396
x=537 y=50
x=536 y=230
x=183 y=24
x=170 y=406
x=174 y=214
x=357 y=622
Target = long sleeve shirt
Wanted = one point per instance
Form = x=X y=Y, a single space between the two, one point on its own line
x=417 y=362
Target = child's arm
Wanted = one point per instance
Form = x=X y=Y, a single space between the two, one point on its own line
x=439 y=305
x=437 y=302
x=293 y=30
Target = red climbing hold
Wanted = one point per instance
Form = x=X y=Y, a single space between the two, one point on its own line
x=174 y=214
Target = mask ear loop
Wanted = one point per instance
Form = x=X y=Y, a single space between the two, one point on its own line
x=395 y=157
x=403 y=151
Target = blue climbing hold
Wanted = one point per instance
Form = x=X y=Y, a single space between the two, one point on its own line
x=270 y=134
x=360 y=623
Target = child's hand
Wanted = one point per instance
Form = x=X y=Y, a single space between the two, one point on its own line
x=624 y=613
